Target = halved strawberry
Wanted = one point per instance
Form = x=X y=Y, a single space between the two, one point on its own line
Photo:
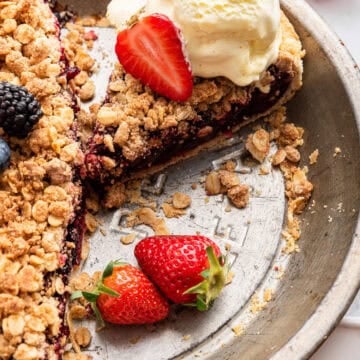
x=125 y=296
x=187 y=269
x=152 y=52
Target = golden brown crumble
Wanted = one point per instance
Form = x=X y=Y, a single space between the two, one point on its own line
x=239 y=195
x=213 y=185
x=148 y=217
x=258 y=304
x=76 y=44
x=227 y=182
x=82 y=337
x=176 y=206
x=91 y=222
x=120 y=193
x=313 y=157
x=37 y=193
x=298 y=189
x=238 y=330
x=229 y=277
x=258 y=144
x=128 y=239
x=181 y=201
x=98 y=21
x=337 y=151
x=170 y=211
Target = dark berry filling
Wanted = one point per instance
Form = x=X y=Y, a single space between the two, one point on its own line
x=179 y=139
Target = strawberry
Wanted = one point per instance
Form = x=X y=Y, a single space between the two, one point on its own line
x=124 y=295
x=152 y=52
x=187 y=269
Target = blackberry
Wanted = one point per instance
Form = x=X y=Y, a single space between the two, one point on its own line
x=19 y=110
x=4 y=155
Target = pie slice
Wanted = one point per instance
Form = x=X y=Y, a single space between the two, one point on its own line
x=139 y=131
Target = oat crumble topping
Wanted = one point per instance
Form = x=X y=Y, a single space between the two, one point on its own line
x=38 y=192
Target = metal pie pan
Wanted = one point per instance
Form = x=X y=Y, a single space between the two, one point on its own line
x=318 y=284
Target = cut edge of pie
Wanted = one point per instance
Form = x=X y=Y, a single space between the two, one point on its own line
x=136 y=128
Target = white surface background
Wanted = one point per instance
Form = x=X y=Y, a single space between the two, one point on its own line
x=343 y=16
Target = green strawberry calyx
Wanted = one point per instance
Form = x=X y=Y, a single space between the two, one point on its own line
x=214 y=281
x=100 y=288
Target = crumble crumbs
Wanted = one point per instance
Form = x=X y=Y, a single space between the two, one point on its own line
x=337 y=151
x=176 y=206
x=147 y=216
x=171 y=211
x=313 y=157
x=78 y=356
x=98 y=21
x=227 y=182
x=135 y=340
x=128 y=239
x=238 y=330
x=258 y=144
x=298 y=189
x=257 y=305
x=120 y=193
x=82 y=337
x=181 y=201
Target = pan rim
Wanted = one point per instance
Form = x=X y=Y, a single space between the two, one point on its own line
x=342 y=293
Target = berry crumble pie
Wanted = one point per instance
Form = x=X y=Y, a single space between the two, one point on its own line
x=136 y=131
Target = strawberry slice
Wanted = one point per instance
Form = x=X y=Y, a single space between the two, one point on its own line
x=152 y=52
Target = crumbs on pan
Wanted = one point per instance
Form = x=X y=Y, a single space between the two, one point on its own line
x=298 y=189
x=257 y=304
x=226 y=181
x=176 y=206
x=128 y=239
x=238 y=330
x=337 y=151
x=119 y=194
x=147 y=216
x=313 y=157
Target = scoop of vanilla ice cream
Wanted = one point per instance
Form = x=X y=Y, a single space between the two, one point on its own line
x=237 y=39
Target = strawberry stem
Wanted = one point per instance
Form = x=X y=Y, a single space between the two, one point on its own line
x=214 y=281
x=100 y=288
